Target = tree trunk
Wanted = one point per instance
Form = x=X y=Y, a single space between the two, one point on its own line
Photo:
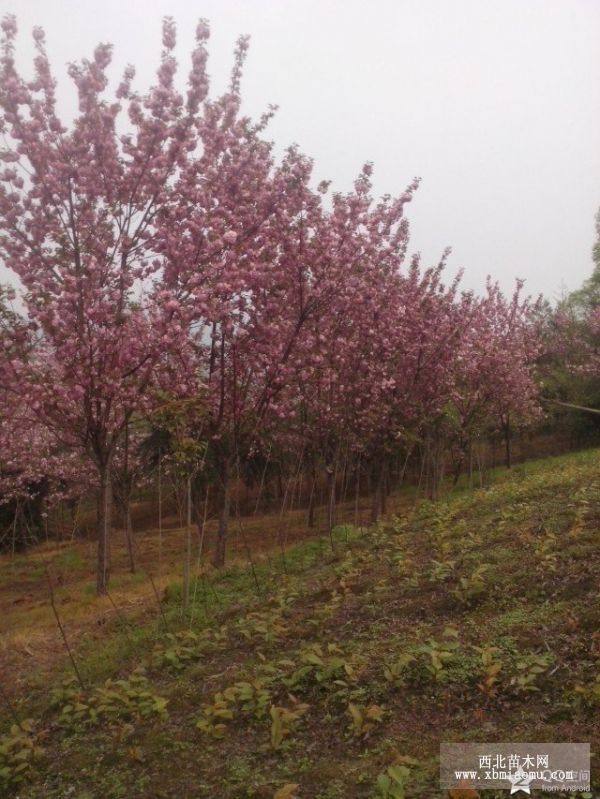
x=434 y=470
x=312 y=499
x=311 y=505
x=129 y=536
x=507 y=443
x=385 y=486
x=187 y=561
x=456 y=470
x=199 y=505
x=470 y=465
x=127 y=486
x=330 y=498
x=356 y=492
x=441 y=472
x=378 y=498
x=221 y=542
x=103 y=524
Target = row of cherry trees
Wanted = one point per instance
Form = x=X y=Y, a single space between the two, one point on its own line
x=181 y=291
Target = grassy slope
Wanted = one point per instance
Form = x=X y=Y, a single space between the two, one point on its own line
x=380 y=596
x=29 y=639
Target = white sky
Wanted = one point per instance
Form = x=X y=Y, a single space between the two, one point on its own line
x=495 y=104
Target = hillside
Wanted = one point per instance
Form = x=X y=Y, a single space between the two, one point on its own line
x=473 y=618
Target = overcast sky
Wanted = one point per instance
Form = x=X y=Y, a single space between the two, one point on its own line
x=495 y=104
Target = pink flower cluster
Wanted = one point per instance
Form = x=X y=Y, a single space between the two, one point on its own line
x=161 y=248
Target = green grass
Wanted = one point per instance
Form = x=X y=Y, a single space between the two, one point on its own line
x=513 y=566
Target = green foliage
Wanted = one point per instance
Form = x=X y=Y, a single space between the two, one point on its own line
x=529 y=670
x=247 y=697
x=441 y=570
x=179 y=650
x=286 y=596
x=267 y=626
x=588 y=694
x=471 y=587
x=348 y=572
x=369 y=623
x=392 y=783
x=444 y=661
x=214 y=716
x=326 y=610
x=364 y=719
x=438 y=654
x=346 y=532
x=251 y=697
x=323 y=666
x=116 y=700
x=396 y=672
x=68 y=561
x=434 y=661
x=283 y=721
x=491 y=665
x=19 y=752
x=547 y=552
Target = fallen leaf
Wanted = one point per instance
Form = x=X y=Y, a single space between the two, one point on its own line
x=288 y=791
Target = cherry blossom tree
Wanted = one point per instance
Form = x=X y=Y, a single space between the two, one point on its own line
x=78 y=206
x=176 y=277
x=239 y=272
x=495 y=384
x=338 y=366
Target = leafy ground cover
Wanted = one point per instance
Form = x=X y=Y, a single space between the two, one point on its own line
x=332 y=671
